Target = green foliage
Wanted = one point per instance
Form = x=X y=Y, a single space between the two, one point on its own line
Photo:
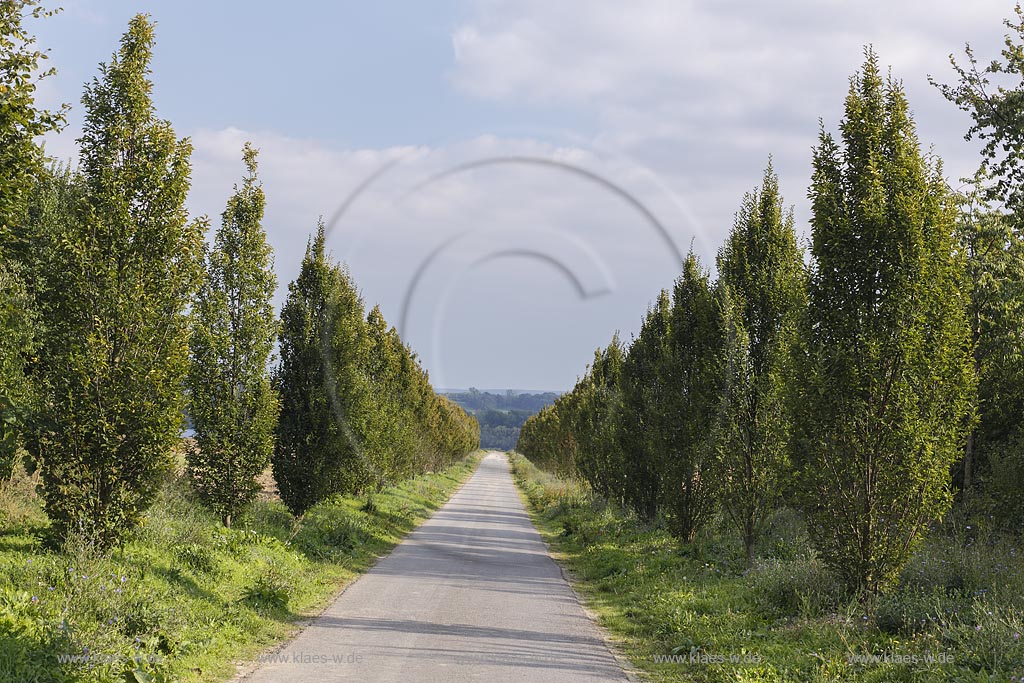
x=474 y=400
x=195 y=557
x=315 y=452
x=657 y=599
x=993 y=244
x=119 y=265
x=994 y=249
x=269 y=591
x=600 y=460
x=884 y=385
x=992 y=96
x=690 y=372
x=17 y=342
x=21 y=121
x=185 y=597
x=636 y=427
x=578 y=435
x=357 y=410
x=29 y=647
x=1001 y=498
x=761 y=274
x=802 y=587
x=539 y=440
x=643 y=423
x=231 y=403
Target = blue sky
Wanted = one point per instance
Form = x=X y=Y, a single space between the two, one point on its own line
x=544 y=162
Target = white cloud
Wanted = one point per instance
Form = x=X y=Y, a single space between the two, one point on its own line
x=704 y=92
x=518 y=199
x=603 y=52
x=687 y=99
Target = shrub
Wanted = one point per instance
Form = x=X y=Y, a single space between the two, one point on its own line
x=196 y=557
x=270 y=591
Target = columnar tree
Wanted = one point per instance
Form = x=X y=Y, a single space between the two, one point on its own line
x=538 y=439
x=388 y=442
x=689 y=372
x=761 y=272
x=600 y=460
x=315 y=451
x=231 y=403
x=884 y=388
x=643 y=420
x=120 y=273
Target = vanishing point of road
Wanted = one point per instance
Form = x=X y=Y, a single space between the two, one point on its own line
x=470 y=595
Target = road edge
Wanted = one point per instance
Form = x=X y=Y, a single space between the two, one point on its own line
x=245 y=669
x=631 y=672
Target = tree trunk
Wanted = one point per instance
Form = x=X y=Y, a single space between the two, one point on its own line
x=968 y=466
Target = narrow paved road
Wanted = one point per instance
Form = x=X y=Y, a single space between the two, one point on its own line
x=471 y=595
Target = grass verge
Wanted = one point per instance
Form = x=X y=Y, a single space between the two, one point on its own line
x=186 y=599
x=692 y=612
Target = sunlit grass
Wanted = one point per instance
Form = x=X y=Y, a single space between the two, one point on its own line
x=185 y=598
x=960 y=598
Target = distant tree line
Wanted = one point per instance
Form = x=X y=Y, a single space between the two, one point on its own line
x=501 y=415
x=866 y=383
x=475 y=400
x=500 y=428
x=116 y=318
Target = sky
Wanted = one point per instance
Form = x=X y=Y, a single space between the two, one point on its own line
x=515 y=181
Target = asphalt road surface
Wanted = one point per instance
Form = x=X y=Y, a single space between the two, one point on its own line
x=471 y=595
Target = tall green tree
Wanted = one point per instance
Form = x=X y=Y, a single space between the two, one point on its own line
x=316 y=453
x=761 y=270
x=231 y=403
x=600 y=460
x=689 y=372
x=884 y=389
x=120 y=273
x=642 y=420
